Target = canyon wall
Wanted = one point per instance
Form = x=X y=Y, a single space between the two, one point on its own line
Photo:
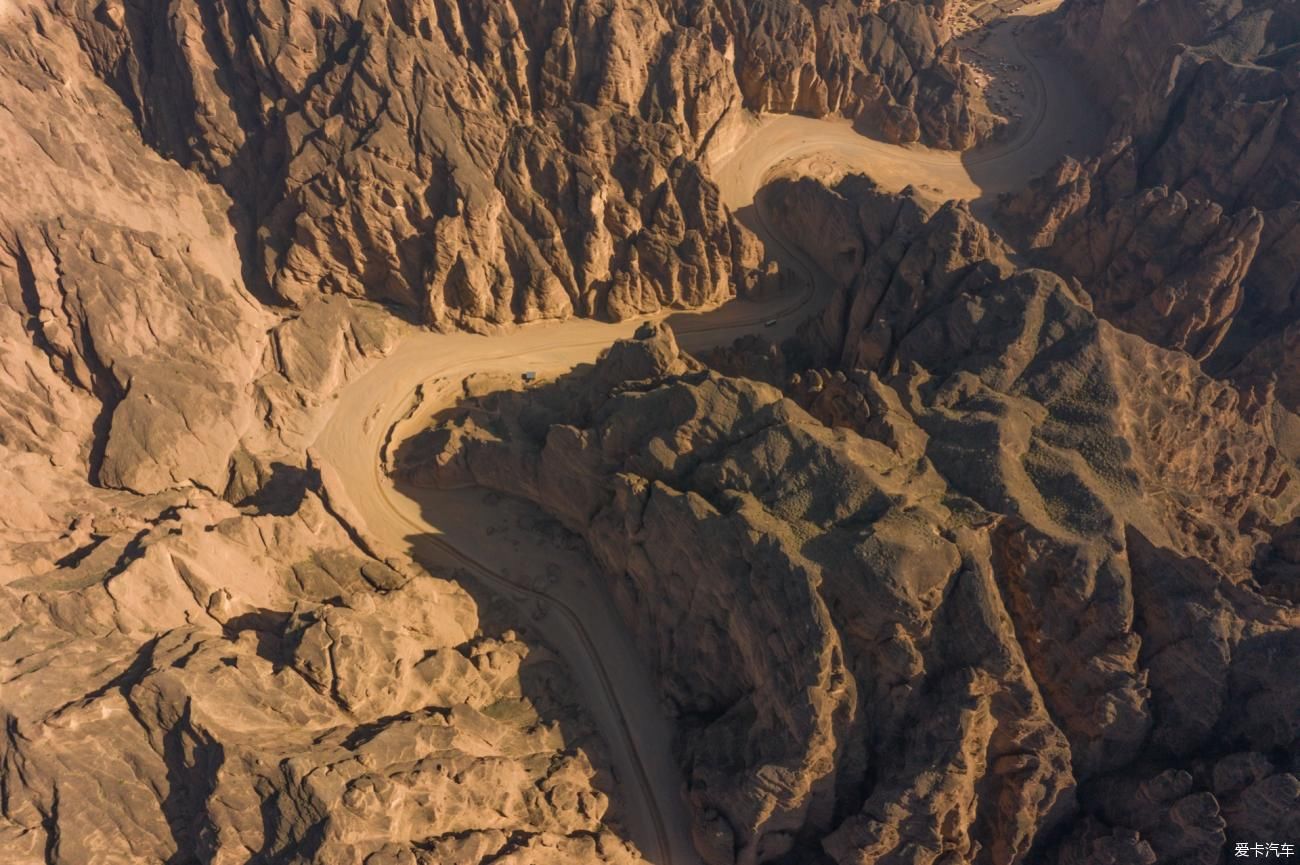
x=496 y=162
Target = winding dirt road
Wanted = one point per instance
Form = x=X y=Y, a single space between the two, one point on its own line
x=1061 y=119
x=617 y=689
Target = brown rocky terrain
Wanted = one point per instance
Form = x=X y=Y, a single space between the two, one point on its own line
x=979 y=584
x=961 y=573
x=349 y=149
x=1185 y=229
x=891 y=66
x=199 y=684
x=200 y=661
x=504 y=161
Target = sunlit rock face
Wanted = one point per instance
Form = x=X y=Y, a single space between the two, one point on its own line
x=208 y=683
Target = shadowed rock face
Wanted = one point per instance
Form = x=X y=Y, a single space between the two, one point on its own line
x=983 y=583
x=887 y=65
x=1184 y=230
x=1130 y=45
x=791 y=584
x=1165 y=266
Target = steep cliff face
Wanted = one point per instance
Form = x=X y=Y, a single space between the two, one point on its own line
x=1184 y=230
x=478 y=165
x=890 y=66
x=985 y=582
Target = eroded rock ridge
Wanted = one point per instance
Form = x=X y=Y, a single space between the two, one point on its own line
x=1185 y=229
x=976 y=575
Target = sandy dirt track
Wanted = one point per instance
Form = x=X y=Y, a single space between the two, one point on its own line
x=1061 y=120
x=444 y=532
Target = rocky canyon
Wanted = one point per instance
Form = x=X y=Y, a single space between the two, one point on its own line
x=684 y=432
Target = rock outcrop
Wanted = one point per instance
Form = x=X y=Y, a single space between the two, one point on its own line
x=983 y=583
x=1184 y=230
x=193 y=682
x=202 y=661
x=890 y=66
x=499 y=162
x=478 y=167
x=723 y=513
x=1162 y=265
x=132 y=354
x=1127 y=47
